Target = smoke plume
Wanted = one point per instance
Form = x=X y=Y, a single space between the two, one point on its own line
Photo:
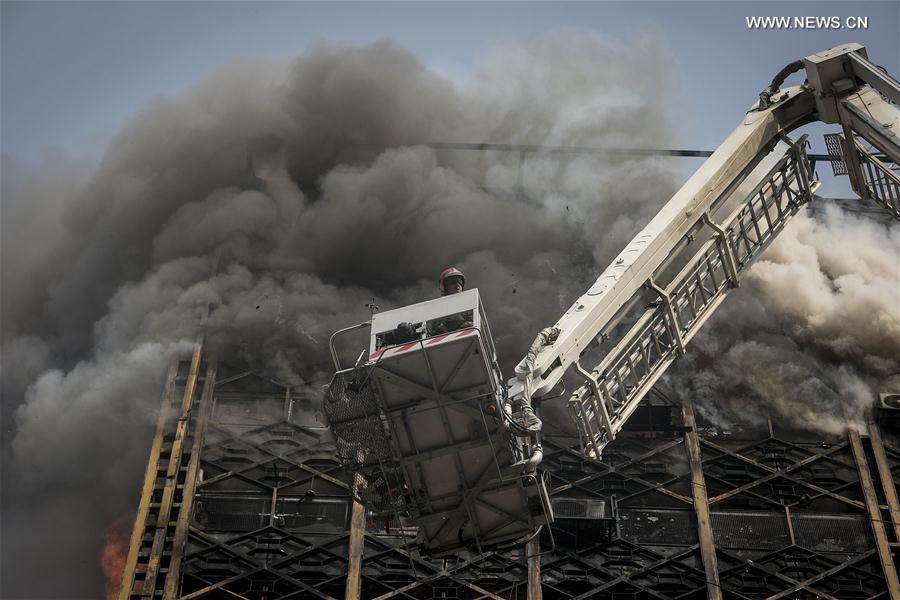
x=275 y=200
x=813 y=335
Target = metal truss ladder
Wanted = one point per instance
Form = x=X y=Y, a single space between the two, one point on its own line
x=614 y=388
x=880 y=180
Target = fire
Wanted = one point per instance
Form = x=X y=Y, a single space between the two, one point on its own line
x=115 y=553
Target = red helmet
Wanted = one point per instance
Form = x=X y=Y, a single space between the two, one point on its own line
x=451 y=272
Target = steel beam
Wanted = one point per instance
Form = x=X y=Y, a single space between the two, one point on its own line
x=867 y=114
x=784 y=474
x=140 y=520
x=875 y=76
x=884 y=473
x=881 y=542
x=533 y=552
x=268 y=457
x=171 y=589
x=218 y=590
x=701 y=505
x=357 y=543
x=171 y=481
x=440 y=574
x=807 y=583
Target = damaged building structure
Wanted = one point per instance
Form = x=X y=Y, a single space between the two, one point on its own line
x=246 y=497
x=258 y=507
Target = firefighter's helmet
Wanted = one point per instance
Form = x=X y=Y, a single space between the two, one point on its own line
x=448 y=273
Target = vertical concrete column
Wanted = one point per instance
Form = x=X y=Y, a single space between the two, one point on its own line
x=153 y=464
x=533 y=552
x=884 y=474
x=701 y=505
x=173 y=582
x=357 y=539
x=881 y=542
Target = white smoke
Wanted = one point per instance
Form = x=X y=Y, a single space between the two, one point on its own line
x=814 y=334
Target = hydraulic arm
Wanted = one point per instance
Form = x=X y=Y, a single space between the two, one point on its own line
x=423 y=417
x=707 y=236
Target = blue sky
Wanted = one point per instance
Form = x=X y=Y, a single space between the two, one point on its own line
x=73 y=72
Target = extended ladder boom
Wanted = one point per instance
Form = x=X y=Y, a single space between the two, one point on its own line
x=707 y=257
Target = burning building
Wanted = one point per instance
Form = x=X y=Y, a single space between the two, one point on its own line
x=251 y=210
x=243 y=498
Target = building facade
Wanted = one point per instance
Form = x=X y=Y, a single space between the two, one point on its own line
x=243 y=499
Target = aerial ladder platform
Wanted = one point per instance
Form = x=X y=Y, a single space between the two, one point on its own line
x=427 y=421
x=424 y=422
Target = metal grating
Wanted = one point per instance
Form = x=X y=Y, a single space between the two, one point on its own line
x=833 y=145
x=658 y=527
x=353 y=414
x=231 y=514
x=576 y=508
x=832 y=533
x=751 y=531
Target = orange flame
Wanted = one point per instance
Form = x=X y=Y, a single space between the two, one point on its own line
x=115 y=552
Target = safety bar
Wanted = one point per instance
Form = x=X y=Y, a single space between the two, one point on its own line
x=334 y=356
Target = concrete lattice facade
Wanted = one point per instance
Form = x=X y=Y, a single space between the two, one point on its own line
x=243 y=499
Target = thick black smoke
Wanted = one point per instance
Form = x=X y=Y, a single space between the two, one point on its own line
x=281 y=198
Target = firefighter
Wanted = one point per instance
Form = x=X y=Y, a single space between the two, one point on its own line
x=451 y=281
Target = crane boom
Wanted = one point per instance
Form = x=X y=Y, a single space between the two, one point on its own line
x=842 y=87
x=423 y=417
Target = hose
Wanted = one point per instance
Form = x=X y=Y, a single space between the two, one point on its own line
x=765 y=97
x=546 y=337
